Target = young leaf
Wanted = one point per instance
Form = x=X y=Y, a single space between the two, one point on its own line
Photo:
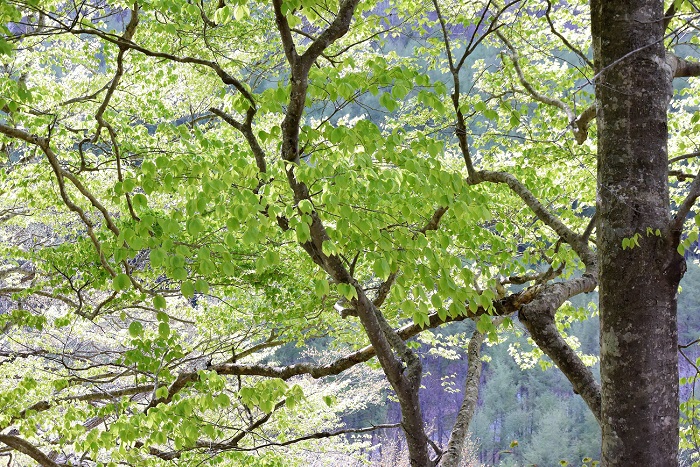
x=121 y=282
x=135 y=329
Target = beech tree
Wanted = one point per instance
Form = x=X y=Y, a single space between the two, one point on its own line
x=639 y=343
x=188 y=186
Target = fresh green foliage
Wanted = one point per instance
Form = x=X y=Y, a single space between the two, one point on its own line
x=161 y=240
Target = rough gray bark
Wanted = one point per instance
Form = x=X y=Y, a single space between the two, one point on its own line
x=638 y=286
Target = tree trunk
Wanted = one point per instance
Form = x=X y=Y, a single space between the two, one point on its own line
x=638 y=286
x=453 y=454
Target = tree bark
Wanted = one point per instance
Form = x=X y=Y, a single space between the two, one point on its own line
x=453 y=454
x=638 y=286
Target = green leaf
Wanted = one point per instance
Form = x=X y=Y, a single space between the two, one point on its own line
x=135 y=329
x=305 y=206
x=139 y=201
x=195 y=226
x=399 y=91
x=121 y=282
x=179 y=274
x=321 y=288
x=164 y=330
x=303 y=232
x=381 y=268
x=347 y=291
x=187 y=289
x=328 y=248
x=201 y=286
x=250 y=236
x=484 y=325
x=434 y=148
x=387 y=101
x=157 y=257
x=159 y=302
x=222 y=400
x=240 y=12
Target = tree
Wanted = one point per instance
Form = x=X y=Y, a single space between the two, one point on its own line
x=639 y=338
x=189 y=185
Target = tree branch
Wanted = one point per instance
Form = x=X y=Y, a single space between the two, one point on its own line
x=682 y=68
x=121 y=42
x=285 y=31
x=538 y=318
x=687 y=204
x=247 y=132
x=579 y=126
x=317 y=435
x=578 y=244
x=60 y=173
x=337 y=29
x=25 y=447
x=453 y=453
x=568 y=44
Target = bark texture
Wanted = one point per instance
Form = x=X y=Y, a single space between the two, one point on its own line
x=453 y=454
x=638 y=335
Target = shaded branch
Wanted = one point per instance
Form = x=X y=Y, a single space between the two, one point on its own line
x=686 y=206
x=25 y=447
x=538 y=317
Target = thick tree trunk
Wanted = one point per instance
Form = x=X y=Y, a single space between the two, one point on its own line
x=638 y=335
